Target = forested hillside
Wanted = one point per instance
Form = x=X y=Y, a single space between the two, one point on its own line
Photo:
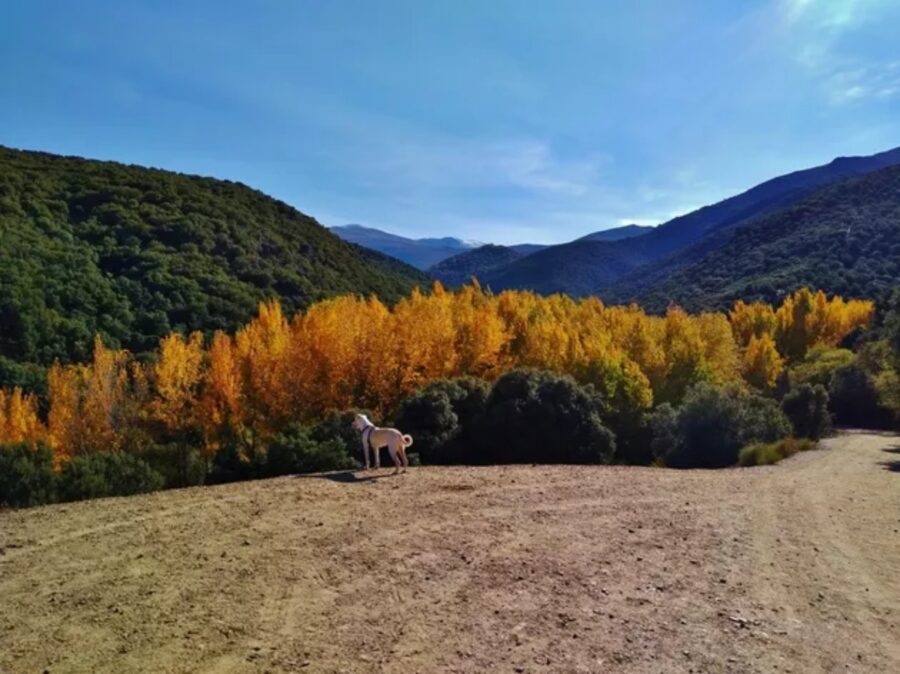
x=581 y=267
x=132 y=253
x=460 y=269
x=844 y=239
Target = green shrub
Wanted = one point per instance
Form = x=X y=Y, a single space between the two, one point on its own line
x=26 y=475
x=295 y=450
x=853 y=399
x=179 y=465
x=764 y=454
x=665 y=435
x=807 y=408
x=231 y=465
x=712 y=424
x=337 y=426
x=818 y=366
x=106 y=474
x=441 y=418
x=540 y=417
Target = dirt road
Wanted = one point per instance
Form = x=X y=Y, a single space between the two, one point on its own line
x=792 y=568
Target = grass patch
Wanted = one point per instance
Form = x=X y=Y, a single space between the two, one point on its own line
x=764 y=454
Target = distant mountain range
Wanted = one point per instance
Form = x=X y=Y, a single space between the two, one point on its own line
x=420 y=253
x=722 y=251
x=487 y=261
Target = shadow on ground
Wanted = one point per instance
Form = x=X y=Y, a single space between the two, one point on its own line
x=345 y=476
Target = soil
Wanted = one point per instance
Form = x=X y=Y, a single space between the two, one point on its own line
x=788 y=568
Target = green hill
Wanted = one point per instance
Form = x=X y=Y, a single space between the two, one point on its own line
x=133 y=253
x=587 y=266
x=843 y=239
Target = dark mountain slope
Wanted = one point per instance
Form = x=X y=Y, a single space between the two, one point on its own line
x=576 y=268
x=459 y=269
x=133 y=253
x=843 y=239
x=592 y=268
x=420 y=253
x=617 y=233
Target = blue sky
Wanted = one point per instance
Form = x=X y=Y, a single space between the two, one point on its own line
x=504 y=121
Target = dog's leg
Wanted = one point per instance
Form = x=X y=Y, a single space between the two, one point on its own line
x=365 y=453
x=396 y=459
x=404 y=458
x=377 y=451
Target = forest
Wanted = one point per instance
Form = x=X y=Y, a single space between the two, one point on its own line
x=130 y=253
x=461 y=370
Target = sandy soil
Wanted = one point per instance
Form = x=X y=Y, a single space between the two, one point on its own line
x=792 y=568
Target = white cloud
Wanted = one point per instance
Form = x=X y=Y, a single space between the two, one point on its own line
x=849 y=86
x=822 y=30
x=525 y=164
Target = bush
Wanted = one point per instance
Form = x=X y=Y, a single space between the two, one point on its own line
x=179 y=465
x=337 y=426
x=762 y=454
x=294 y=450
x=853 y=399
x=539 y=417
x=819 y=366
x=231 y=465
x=106 y=474
x=807 y=408
x=665 y=437
x=442 y=416
x=712 y=424
x=26 y=475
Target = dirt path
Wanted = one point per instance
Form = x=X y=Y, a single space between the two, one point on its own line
x=787 y=568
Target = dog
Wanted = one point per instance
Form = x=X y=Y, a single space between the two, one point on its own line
x=376 y=438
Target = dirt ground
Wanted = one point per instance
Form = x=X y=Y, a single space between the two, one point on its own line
x=790 y=568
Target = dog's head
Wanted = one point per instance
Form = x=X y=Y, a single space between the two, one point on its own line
x=360 y=421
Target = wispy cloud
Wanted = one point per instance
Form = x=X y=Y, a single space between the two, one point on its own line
x=871 y=82
x=530 y=165
x=819 y=29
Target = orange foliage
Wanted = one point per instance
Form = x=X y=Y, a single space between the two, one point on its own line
x=350 y=351
x=19 y=418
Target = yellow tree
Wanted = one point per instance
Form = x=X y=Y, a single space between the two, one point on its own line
x=104 y=392
x=19 y=417
x=762 y=362
x=481 y=337
x=176 y=379
x=684 y=349
x=64 y=385
x=751 y=320
x=221 y=405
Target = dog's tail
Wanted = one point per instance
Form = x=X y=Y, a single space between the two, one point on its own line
x=407 y=440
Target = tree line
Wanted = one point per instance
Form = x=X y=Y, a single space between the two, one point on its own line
x=356 y=352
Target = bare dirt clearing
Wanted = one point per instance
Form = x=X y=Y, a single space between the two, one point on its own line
x=787 y=568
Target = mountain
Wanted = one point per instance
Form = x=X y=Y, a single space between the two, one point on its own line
x=420 y=253
x=584 y=266
x=486 y=261
x=132 y=253
x=577 y=268
x=844 y=238
x=617 y=233
x=527 y=248
x=459 y=269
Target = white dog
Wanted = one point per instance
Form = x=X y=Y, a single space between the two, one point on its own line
x=376 y=438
